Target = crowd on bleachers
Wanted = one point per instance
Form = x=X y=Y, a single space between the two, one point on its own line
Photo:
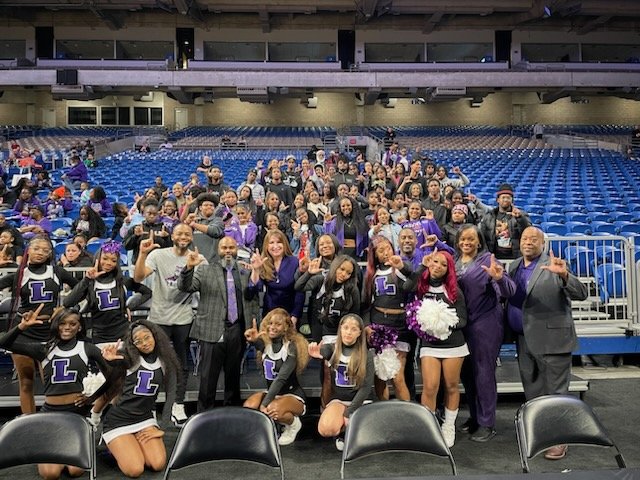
x=433 y=283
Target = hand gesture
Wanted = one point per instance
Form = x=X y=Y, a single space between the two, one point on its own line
x=429 y=241
x=495 y=269
x=456 y=170
x=516 y=212
x=314 y=350
x=251 y=334
x=31 y=318
x=557 y=266
x=136 y=197
x=148 y=244
x=163 y=231
x=110 y=351
x=328 y=217
x=315 y=266
x=138 y=230
x=259 y=202
x=94 y=272
x=376 y=228
x=428 y=214
x=282 y=207
x=395 y=261
x=295 y=226
x=257 y=261
x=194 y=258
x=472 y=197
x=190 y=220
x=427 y=259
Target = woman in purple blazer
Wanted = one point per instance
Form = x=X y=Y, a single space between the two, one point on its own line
x=484 y=283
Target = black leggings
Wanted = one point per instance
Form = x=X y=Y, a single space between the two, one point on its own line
x=179 y=336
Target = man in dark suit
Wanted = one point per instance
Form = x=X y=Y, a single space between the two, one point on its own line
x=540 y=313
x=220 y=322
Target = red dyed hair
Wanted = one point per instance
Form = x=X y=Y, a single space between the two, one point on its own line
x=450 y=279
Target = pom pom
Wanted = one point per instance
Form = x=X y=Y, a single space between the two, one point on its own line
x=431 y=319
x=92 y=382
x=386 y=363
x=382 y=337
x=111 y=246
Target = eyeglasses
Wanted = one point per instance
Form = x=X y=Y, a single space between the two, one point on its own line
x=143 y=340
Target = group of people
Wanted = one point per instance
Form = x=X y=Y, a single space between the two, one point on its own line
x=434 y=286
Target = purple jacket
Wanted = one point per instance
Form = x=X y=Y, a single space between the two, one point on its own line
x=102 y=208
x=247 y=240
x=416 y=260
x=280 y=292
x=422 y=228
x=362 y=239
x=78 y=173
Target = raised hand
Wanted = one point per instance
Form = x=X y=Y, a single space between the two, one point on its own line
x=495 y=269
x=110 y=351
x=148 y=244
x=315 y=266
x=429 y=241
x=303 y=265
x=295 y=226
x=328 y=217
x=163 y=231
x=427 y=259
x=31 y=318
x=314 y=350
x=138 y=230
x=428 y=214
x=251 y=334
x=257 y=261
x=194 y=258
x=395 y=261
x=516 y=212
x=456 y=170
x=94 y=272
x=556 y=265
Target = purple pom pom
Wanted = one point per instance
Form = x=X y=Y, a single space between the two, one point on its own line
x=382 y=337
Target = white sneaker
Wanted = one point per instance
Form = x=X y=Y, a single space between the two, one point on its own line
x=449 y=433
x=289 y=432
x=178 y=415
x=339 y=444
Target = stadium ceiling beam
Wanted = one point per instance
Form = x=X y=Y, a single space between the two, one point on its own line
x=189 y=8
x=113 y=21
x=550 y=97
x=593 y=24
x=265 y=21
x=432 y=22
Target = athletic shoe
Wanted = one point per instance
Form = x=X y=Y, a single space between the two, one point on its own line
x=178 y=415
x=289 y=432
x=469 y=426
x=340 y=443
x=483 y=434
x=449 y=433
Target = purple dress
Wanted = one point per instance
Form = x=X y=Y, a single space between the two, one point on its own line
x=484 y=333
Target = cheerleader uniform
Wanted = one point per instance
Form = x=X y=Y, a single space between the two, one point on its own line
x=279 y=362
x=64 y=366
x=337 y=308
x=389 y=293
x=40 y=284
x=107 y=306
x=135 y=409
x=344 y=390
x=454 y=346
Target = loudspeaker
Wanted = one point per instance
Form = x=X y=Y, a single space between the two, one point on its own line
x=346 y=48
x=67 y=77
x=503 y=45
x=44 y=42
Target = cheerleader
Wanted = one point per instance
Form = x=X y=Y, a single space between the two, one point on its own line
x=351 y=375
x=385 y=299
x=105 y=290
x=65 y=363
x=443 y=353
x=284 y=357
x=336 y=295
x=36 y=283
x=144 y=360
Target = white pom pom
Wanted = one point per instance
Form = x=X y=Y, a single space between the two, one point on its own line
x=386 y=363
x=436 y=318
x=92 y=382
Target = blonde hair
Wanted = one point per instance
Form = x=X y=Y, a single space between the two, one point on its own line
x=290 y=335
